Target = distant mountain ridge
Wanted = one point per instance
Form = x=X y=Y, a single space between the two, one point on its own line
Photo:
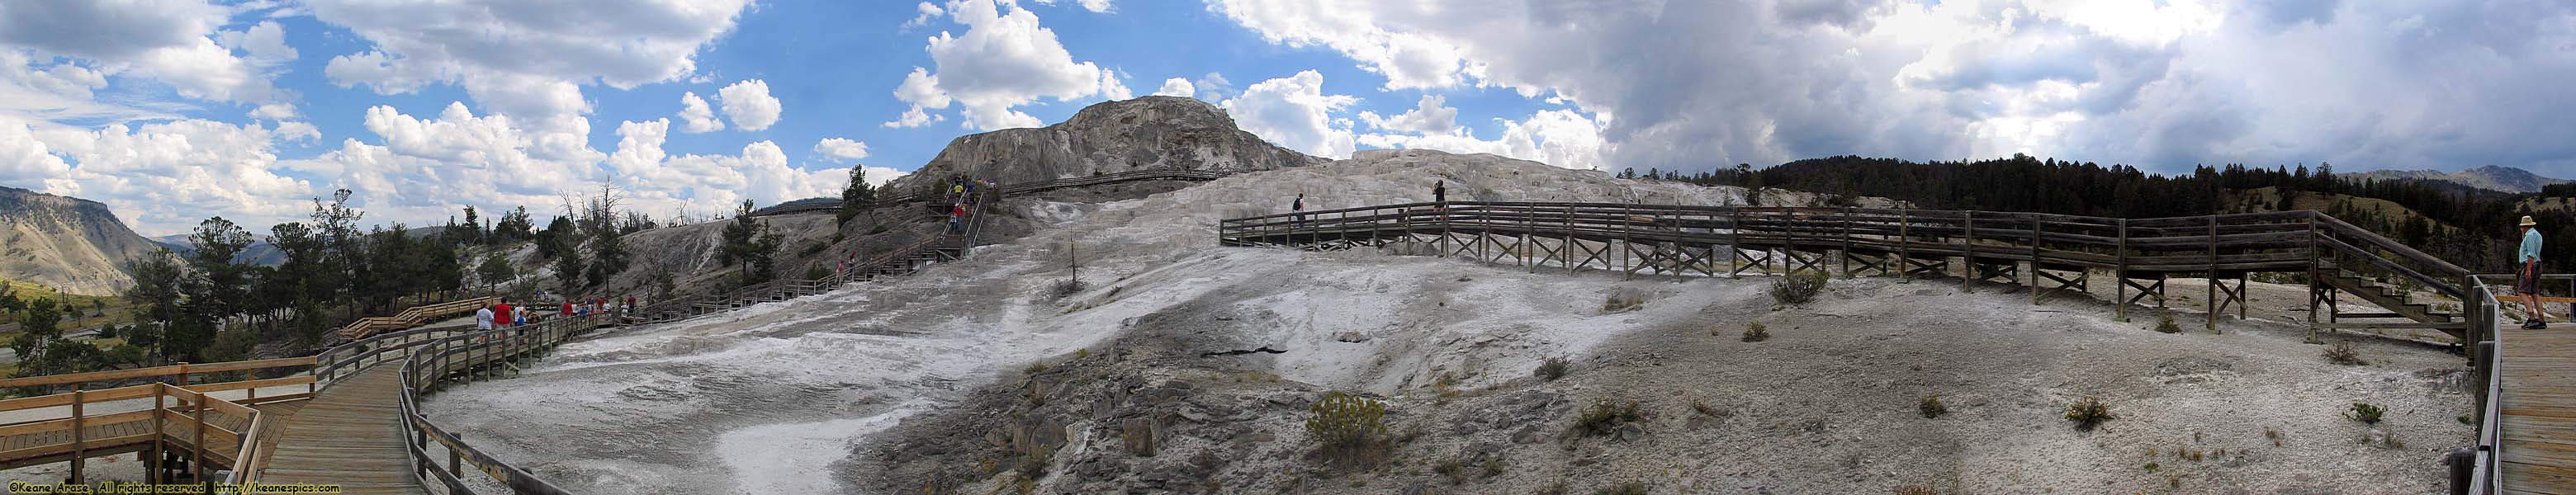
x=73 y=244
x=2490 y=177
x=259 y=252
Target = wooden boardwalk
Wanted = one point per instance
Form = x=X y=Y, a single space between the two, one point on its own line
x=350 y=435
x=2539 y=405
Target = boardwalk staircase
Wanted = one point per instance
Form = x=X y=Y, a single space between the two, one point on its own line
x=2378 y=291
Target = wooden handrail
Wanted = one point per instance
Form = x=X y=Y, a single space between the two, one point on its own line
x=2247 y=240
x=156 y=371
x=425 y=367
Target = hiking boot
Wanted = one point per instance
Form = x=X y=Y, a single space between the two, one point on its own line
x=2534 y=324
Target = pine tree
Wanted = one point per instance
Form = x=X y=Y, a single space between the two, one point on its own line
x=858 y=197
x=608 y=256
x=748 y=244
x=568 y=267
x=496 y=269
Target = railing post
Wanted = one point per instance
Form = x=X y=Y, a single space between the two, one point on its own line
x=79 y=438
x=2211 y=301
x=1735 y=251
x=1845 y=221
x=1529 y=225
x=2120 y=274
x=1566 y=252
x=199 y=451
x=1904 y=243
x=159 y=409
x=1968 y=251
x=454 y=459
x=1627 y=241
x=2033 y=276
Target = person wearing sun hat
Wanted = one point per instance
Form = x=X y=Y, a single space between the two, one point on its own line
x=2527 y=278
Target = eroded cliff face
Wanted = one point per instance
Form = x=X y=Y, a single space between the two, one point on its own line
x=1152 y=132
x=73 y=244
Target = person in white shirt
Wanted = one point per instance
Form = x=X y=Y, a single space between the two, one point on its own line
x=483 y=318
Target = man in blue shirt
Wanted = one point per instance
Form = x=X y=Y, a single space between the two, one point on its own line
x=2527 y=283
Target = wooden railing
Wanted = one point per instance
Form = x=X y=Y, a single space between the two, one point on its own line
x=181 y=374
x=2276 y=241
x=2486 y=475
x=410 y=317
x=471 y=356
x=233 y=441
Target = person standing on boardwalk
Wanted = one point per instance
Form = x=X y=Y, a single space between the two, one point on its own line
x=1299 y=208
x=483 y=318
x=1440 y=195
x=501 y=314
x=2528 y=282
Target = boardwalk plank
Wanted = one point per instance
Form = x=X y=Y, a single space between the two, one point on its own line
x=2539 y=405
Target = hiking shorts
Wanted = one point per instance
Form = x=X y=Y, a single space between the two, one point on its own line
x=2528 y=283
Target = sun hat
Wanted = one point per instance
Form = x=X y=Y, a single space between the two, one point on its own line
x=2526 y=221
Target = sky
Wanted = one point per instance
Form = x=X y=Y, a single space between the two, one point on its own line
x=171 y=111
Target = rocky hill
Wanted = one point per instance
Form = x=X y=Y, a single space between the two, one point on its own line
x=69 y=243
x=2491 y=177
x=1153 y=132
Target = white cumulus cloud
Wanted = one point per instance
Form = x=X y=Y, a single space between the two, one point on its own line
x=749 y=105
x=1431 y=116
x=1176 y=87
x=696 y=116
x=1294 y=112
x=1004 y=60
x=841 y=149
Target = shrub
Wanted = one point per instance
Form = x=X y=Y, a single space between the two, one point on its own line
x=1797 y=288
x=1348 y=431
x=2342 y=353
x=1756 y=332
x=2165 y=323
x=876 y=229
x=1625 y=488
x=1493 y=466
x=2365 y=413
x=813 y=249
x=2089 y=412
x=1623 y=299
x=1454 y=468
x=1605 y=417
x=1931 y=406
x=817 y=273
x=1065 y=288
x=1552 y=368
